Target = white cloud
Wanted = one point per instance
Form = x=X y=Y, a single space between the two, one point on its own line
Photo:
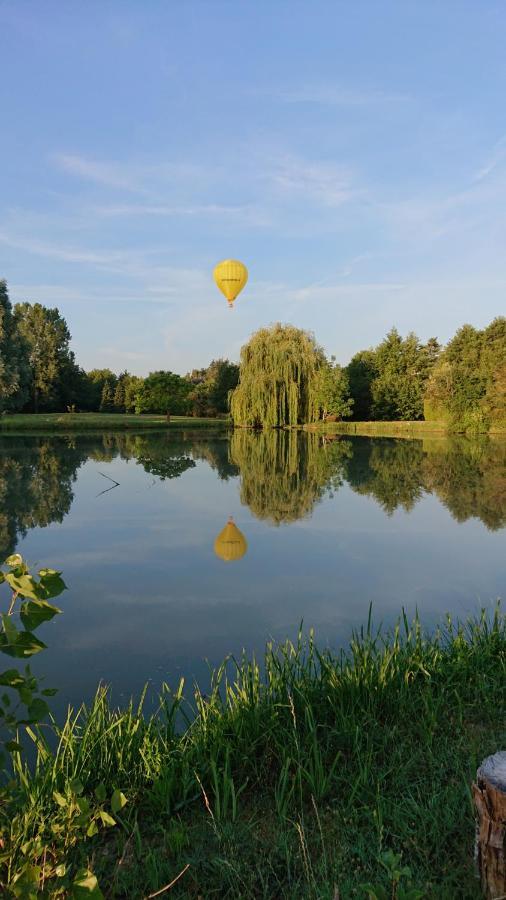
x=322 y=182
x=337 y=95
x=497 y=157
x=109 y=174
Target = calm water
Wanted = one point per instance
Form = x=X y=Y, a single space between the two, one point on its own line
x=331 y=526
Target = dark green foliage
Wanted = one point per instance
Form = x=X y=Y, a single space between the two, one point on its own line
x=96 y=380
x=388 y=383
x=107 y=398
x=212 y=386
x=332 y=392
x=163 y=392
x=467 y=386
x=14 y=375
x=54 y=377
x=361 y=371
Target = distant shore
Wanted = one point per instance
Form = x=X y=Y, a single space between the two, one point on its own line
x=395 y=429
x=62 y=422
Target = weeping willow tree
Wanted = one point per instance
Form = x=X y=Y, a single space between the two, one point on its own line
x=285 y=473
x=278 y=378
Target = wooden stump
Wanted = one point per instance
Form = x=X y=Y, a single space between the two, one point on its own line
x=490 y=801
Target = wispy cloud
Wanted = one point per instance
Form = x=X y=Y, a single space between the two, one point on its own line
x=248 y=214
x=337 y=95
x=131 y=176
x=108 y=174
x=322 y=182
x=497 y=156
x=56 y=251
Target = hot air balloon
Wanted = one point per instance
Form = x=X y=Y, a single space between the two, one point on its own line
x=230 y=276
x=230 y=543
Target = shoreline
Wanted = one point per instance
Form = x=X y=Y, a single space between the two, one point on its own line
x=84 y=422
x=296 y=775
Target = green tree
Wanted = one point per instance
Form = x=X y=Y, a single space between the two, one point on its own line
x=465 y=385
x=403 y=367
x=277 y=378
x=119 y=393
x=132 y=385
x=107 y=399
x=163 y=392
x=332 y=393
x=51 y=362
x=211 y=387
x=96 y=378
x=13 y=366
x=362 y=371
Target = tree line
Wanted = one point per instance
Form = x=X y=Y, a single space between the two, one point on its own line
x=39 y=373
x=284 y=377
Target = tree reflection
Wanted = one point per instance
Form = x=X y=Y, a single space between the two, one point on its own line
x=285 y=473
x=468 y=476
x=36 y=479
x=388 y=470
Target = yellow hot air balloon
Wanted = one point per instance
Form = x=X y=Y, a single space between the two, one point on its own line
x=230 y=543
x=230 y=276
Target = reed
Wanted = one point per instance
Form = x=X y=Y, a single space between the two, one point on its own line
x=293 y=776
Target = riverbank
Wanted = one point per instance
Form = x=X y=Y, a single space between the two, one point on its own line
x=292 y=780
x=394 y=429
x=62 y=422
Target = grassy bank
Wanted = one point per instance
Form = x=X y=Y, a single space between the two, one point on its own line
x=61 y=422
x=395 y=429
x=291 y=781
x=383 y=429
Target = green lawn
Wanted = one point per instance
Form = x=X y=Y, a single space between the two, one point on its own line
x=99 y=422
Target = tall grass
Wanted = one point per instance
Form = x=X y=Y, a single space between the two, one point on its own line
x=290 y=778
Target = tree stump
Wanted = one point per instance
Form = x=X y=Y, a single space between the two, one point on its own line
x=490 y=801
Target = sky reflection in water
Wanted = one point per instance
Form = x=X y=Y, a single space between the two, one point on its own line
x=331 y=526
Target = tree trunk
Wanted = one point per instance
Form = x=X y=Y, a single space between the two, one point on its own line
x=490 y=801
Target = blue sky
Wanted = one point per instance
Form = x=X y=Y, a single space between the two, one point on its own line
x=352 y=154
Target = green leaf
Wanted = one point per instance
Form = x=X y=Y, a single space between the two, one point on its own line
x=83 y=805
x=85 y=886
x=12 y=678
x=14 y=560
x=25 y=644
x=92 y=829
x=49 y=692
x=25 y=585
x=52 y=583
x=25 y=694
x=26 y=883
x=9 y=628
x=76 y=786
x=118 y=801
x=13 y=747
x=2 y=577
x=100 y=792
x=33 y=613
x=106 y=818
x=38 y=710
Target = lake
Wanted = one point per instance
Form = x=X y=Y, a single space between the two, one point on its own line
x=331 y=524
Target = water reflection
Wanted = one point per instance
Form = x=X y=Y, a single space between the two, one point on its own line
x=230 y=545
x=285 y=473
x=282 y=475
